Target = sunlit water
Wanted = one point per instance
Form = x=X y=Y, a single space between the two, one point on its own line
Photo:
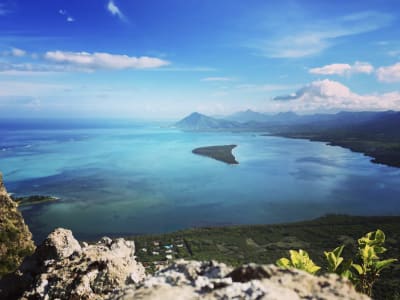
x=145 y=179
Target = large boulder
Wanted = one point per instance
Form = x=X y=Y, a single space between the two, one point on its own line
x=15 y=237
x=61 y=269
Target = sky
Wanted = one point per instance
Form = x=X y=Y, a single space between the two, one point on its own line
x=167 y=58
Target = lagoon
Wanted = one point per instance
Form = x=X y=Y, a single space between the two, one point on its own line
x=143 y=178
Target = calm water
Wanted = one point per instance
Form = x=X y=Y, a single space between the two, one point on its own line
x=144 y=179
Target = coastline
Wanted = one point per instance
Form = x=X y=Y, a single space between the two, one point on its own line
x=33 y=199
x=377 y=155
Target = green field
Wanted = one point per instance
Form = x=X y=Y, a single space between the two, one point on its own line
x=266 y=243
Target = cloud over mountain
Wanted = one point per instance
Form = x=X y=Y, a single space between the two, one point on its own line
x=328 y=95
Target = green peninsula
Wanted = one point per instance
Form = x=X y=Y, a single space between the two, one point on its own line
x=33 y=199
x=221 y=153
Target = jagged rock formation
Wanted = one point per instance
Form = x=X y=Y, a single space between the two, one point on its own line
x=63 y=269
x=210 y=280
x=15 y=237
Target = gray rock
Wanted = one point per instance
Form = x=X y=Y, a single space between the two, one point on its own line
x=59 y=244
x=210 y=280
x=61 y=269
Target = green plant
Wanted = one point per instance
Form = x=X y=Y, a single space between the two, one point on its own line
x=299 y=260
x=370 y=266
x=336 y=263
x=367 y=271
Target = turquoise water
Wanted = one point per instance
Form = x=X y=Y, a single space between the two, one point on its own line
x=144 y=179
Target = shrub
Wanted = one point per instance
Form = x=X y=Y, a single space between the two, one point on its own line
x=363 y=272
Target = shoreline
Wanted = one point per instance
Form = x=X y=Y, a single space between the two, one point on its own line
x=375 y=158
x=33 y=199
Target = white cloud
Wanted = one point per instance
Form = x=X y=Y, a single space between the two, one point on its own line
x=217 y=79
x=18 y=52
x=99 y=60
x=330 y=96
x=389 y=73
x=318 y=35
x=114 y=10
x=343 y=69
x=65 y=13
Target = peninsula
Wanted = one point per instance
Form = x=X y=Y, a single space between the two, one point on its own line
x=33 y=199
x=222 y=153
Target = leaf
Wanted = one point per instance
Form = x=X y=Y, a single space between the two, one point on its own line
x=379 y=236
x=380 y=265
x=284 y=263
x=358 y=268
x=338 y=251
x=295 y=258
x=379 y=249
x=313 y=269
x=347 y=274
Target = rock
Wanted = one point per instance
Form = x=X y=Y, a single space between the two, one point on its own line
x=15 y=237
x=210 y=280
x=59 y=244
x=61 y=269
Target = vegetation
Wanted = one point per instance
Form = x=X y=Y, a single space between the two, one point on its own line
x=265 y=244
x=367 y=271
x=34 y=199
x=221 y=153
x=15 y=238
x=299 y=260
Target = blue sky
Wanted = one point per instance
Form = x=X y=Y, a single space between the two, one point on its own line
x=163 y=59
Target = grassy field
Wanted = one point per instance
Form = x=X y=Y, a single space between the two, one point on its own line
x=266 y=243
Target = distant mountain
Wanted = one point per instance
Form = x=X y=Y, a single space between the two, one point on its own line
x=386 y=122
x=197 y=121
x=247 y=116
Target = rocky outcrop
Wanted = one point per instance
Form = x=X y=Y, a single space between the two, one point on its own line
x=61 y=268
x=15 y=237
x=210 y=280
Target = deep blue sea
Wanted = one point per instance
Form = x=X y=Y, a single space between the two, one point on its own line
x=123 y=178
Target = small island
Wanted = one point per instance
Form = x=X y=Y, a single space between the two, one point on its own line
x=222 y=153
x=33 y=199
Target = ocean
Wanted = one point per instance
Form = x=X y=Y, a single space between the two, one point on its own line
x=125 y=178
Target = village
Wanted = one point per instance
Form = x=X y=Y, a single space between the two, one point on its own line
x=155 y=254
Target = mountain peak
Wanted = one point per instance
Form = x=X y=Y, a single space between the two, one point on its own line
x=198 y=121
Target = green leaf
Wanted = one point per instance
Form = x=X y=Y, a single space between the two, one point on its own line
x=313 y=269
x=358 y=268
x=338 y=251
x=284 y=263
x=380 y=236
x=380 y=265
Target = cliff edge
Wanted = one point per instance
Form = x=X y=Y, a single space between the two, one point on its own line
x=15 y=237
